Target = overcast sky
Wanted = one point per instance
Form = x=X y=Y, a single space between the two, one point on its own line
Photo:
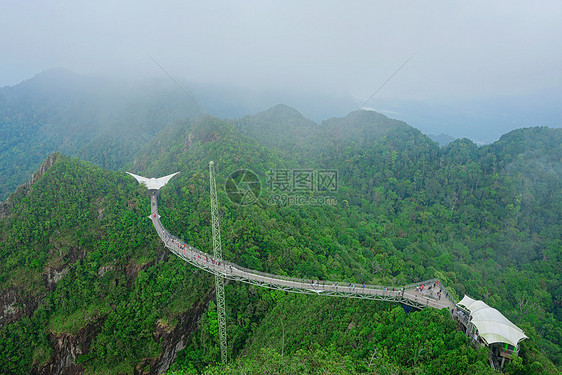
x=460 y=49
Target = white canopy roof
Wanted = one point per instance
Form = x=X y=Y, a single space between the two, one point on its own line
x=491 y=324
x=153 y=183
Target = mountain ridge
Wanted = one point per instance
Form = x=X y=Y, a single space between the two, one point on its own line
x=406 y=209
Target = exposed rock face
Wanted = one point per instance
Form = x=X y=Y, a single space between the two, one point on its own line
x=174 y=339
x=25 y=188
x=48 y=163
x=4 y=208
x=53 y=276
x=14 y=304
x=67 y=348
x=10 y=309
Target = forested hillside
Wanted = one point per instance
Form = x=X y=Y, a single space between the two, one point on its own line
x=96 y=119
x=86 y=286
x=106 y=120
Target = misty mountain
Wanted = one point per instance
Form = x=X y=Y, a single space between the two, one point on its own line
x=233 y=102
x=281 y=127
x=87 y=286
x=303 y=141
x=482 y=120
x=106 y=121
x=99 y=120
x=442 y=139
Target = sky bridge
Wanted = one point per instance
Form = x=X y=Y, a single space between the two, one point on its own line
x=410 y=295
x=491 y=329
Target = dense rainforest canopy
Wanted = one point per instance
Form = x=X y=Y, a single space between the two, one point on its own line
x=87 y=285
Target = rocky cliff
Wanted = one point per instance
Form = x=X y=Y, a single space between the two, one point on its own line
x=25 y=188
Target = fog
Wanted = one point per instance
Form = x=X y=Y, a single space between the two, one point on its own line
x=467 y=51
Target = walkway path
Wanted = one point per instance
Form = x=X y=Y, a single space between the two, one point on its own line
x=407 y=294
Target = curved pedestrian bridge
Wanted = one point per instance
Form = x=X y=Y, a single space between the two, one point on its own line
x=433 y=294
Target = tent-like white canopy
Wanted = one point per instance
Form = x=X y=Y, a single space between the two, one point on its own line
x=491 y=324
x=153 y=183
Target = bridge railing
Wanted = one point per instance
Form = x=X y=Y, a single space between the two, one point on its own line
x=313 y=283
x=295 y=279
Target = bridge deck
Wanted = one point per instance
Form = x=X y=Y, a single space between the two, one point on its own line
x=408 y=294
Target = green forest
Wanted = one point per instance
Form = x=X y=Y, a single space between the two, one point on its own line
x=99 y=120
x=87 y=286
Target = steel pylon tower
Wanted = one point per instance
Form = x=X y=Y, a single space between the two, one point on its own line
x=217 y=253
